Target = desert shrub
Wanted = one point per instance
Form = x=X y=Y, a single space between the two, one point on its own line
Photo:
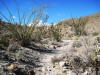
x=77 y=62
x=23 y=35
x=40 y=33
x=89 y=51
x=89 y=44
x=14 y=47
x=4 y=41
x=79 y=26
x=95 y=34
x=19 y=55
x=95 y=57
x=76 y=44
x=56 y=33
x=21 y=32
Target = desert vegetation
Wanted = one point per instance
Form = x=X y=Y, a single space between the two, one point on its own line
x=55 y=32
x=30 y=48
x=78 y=26
x=22 y=33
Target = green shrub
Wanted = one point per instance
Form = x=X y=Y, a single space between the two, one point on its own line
x=95 y=34
x=79 y=26
x=19 y=55
x=56 y=33
x=4 y=41
x=21 y=34
x=39 y=33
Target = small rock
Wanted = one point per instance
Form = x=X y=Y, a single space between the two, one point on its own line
x=61 y=63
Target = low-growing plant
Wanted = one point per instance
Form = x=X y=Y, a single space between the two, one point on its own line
x=95 y=34
x=79 y=26
x=4 y=40
x=19 y=55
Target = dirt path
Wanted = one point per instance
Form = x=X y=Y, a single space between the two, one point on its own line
x=46 y=61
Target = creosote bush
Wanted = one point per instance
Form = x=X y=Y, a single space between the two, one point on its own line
x=79 y=26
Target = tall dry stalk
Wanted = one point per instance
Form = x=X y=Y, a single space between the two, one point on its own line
x=21 y=32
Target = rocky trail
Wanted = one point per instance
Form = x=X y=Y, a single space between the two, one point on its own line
x=47 y=63
x=56 y=58
x=64 y=61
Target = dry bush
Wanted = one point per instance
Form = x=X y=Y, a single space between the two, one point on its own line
x=87 y=49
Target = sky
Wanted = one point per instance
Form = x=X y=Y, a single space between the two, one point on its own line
x=57 y=10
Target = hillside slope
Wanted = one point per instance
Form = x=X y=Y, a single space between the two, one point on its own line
x=92 y=26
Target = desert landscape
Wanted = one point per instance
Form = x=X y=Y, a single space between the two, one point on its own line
x=70 y=47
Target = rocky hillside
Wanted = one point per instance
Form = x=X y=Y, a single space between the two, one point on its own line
x=3 y=27
x=92 y=26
